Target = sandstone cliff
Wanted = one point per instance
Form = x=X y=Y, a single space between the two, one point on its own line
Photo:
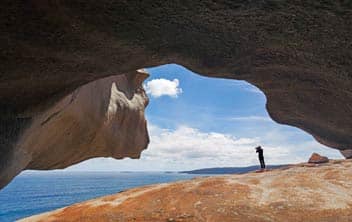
x=303 y=192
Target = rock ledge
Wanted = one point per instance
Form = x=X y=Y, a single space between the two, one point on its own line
x=297 y=193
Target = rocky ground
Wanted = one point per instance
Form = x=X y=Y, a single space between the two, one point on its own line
x=303 y=192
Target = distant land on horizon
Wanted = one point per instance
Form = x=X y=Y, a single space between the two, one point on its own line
x=230 y=170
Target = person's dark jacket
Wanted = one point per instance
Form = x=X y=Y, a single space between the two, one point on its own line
x=260 y=153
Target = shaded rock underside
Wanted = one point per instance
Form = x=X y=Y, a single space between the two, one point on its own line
x=299 y=193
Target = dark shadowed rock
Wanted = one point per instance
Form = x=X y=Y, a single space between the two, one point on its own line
x=347 y=153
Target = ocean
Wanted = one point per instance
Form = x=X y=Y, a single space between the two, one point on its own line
x=40 y=191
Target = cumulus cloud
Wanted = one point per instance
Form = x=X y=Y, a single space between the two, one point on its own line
x=186 y=148
x=163 y=87
x=196 y=148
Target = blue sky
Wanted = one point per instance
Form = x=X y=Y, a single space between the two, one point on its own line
x=196 y=122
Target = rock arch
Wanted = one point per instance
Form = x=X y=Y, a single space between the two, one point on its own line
x=298 y=53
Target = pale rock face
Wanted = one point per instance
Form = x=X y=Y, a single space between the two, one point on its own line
x=104 y=118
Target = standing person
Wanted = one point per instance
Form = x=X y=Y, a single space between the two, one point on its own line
x=259 y=150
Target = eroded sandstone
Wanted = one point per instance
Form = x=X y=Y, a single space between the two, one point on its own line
x=297 y=193
x=299 y=53
x=104 y=118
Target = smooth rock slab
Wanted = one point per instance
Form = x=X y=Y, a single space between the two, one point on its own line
x=297 y=193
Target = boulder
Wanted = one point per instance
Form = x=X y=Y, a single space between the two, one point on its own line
x=316 y=158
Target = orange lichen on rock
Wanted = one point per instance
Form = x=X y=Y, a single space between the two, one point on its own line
x=296 y=193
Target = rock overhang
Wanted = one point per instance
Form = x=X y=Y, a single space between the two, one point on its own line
x=104 y=118
x=297 y=53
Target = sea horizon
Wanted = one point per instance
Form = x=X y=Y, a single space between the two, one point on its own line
x=35 y=192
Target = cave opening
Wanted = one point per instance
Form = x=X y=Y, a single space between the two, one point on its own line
x=194 y=122
x=201 y=122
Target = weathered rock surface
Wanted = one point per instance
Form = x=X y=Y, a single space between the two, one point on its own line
x=299 y=53
x=316 y=158
x=104 y=118
x=297 y=193
x=347 y=153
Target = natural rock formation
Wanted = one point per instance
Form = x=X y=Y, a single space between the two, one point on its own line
x=319 y=194
x=347 y=153
x=298 y=53
x=316 y=158
x=104 y=118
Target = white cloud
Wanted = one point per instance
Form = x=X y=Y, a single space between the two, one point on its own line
x=163 y=87
x=187 y=148
x=191 y=148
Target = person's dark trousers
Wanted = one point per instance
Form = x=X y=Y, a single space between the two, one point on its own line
x=262 y=163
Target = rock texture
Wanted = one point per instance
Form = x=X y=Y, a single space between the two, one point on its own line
x=316 y=158
x=299 y=53
x=347 y=153
x=297 y=193
x=104 y=118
